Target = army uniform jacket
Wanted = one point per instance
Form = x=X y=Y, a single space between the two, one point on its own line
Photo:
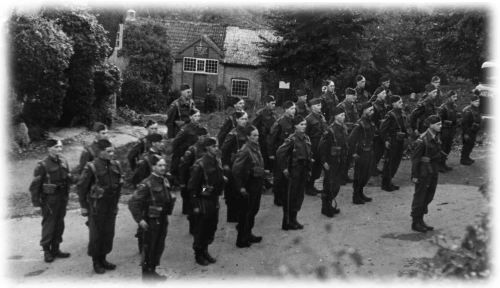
x=379 y=112
x=207 y=173
x=361 y=137
x=316 y=125
x=329 y=102
x=393 y=126
x=108 y=175
x=448 y=114
x=302 y=108
x=186 y=137
x=178 y=111
x=362 y=96
x=281 y=129
x=388 y=92
x=351 y=114
x=50 y=171
x=229 y=124
x=295 y=150
x=333 y=145
x=193 y=153
x=248 y=164
x=426 y=155
x=423 y=110
x=137 y=150
x=88 y=154
x=152 y=191
x=144 y=167
x=234 y=141
x=264 y=121
x=471 y=120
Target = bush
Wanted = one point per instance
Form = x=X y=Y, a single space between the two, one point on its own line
x=107 y=83
x=142 y=95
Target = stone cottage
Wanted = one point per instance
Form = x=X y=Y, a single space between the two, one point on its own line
x=210 y=55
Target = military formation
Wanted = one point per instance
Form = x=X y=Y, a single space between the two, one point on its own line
x=288 y=152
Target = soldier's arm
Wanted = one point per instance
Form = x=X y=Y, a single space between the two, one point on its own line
x=415 y=115
x=36 y=185
x=354 y=138
x=283 y=155
x=271 y=138
x=134 y=154
x=385 y=127
x=224 y=130
x=228 y=148
x=185 y=163
x=241 y=169
x=137 y=203
x=84 y=158
x=324 y=146
x=84 y=186
x=140 y=172
x=416 y=158
x=195 y=182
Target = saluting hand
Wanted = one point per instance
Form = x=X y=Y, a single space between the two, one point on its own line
x=326 y=166
x=387 y=144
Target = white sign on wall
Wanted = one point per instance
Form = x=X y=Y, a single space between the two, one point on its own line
x=284 y=85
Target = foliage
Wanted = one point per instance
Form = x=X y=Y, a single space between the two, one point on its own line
x=41 y=54
x=107 y=83
x=91 y=49
x=148 y=76
x=110 y=19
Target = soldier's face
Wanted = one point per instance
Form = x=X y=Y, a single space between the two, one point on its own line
x=436 y=126
x=433 y=93
x=369 y=111
x=195 y=117
x=330 y=87
x=340 y=117
x=436 y=83
x=103 y=134
x=161 y=167
x=186 y=93
x=301 y=127
x=271 y=105
x=57 y=149
x=350 y=97
x=316 y=108
x=382 y=95
x=213 y=150
x=291 y=110
x=254 y=136
x=386 y=84
x=243 y=120
x=362 y=83
x=239 y=105
x=454 y=97
x=108 y=153
x=157 y=145
x=475 y=103
x=153 y=129
x=399 y=104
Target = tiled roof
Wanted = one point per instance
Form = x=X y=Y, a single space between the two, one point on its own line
x=182 y=33
x=241 y=45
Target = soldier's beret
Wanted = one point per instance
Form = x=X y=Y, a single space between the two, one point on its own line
x=102 y=144
x=269 y=98
x=150 y=123
x=51 y=142
x=430 y=88
x=359 y=78
x=338 y=110
x=395 y=98
x=435 y=78
x=384 y=78
x=287 y=104
x=209 y=141
x=365 y=105
x=193 y=111
x=98 y=127
x=451 y=93
x=297 y=120
x=155 y=137
x=300 y=92
x=201 y=131
x=314 y=101
x=234 y=100
x=474 y=98
x=185 y=86
x=350 y=91
x=433 y=119
x=155 y=159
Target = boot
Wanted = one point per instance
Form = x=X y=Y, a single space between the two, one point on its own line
x=417 y=225
x=155 y=276
x=208 y=256
x=277 y=201
x=296 y=223
x=285 y=224
x=441 y=168
x=58 y=253
x=198 y=256
x=429 y=228
x=466 y=161
x=448 y=168
x=311 y=190
x=394 y=187
x=254 y=239
x=326 y=208
x=364 y=197
x=107 y=265
x=356 y=197
x=98 y=268
x=47 y=254
x=386 y=185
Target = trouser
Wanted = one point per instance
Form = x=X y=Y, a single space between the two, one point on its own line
x=268 y=163
x=447 y=135
x=154 y=241
x=332 y=180
x=205 y=223
x=231 y=198
x=186 y=201
x=425 y=189
x=294 y=196
x=378 y=150
x=345 y=172
x=362 y=169
x=53 y=213
x=249 y=207
x=468 y=145
x=392 y=161
x=280 y=184
x=315 y=166
x=174 y=167
x=102 y=219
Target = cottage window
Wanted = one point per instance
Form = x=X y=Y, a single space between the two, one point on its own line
x=239 y=87
x=200 y=65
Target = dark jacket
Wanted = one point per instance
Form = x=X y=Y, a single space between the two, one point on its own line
x=302 y=109
x=361 y=137
x=88 y=154
x=379 y=112
x=234 y=141
x=329 y=101
x=49 y=171
x=426 y=155
x=424 y=109
x=351 y=114
x=193 y=153
x=295 y=149
x=247 y=165
x=393 y=126
x=263 y=121
x=471 y=120
x=229 y=124
x=152 y=191
x=207 y=173
x=178 y=111
x=281 y=129
x=448 y=114
x=316 y=126
x=143 y=169
x=333 y=144
x=137 y=150
x=362 y=96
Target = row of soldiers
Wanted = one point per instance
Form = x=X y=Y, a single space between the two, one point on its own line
x=295 y=148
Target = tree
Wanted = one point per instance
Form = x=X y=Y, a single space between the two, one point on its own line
x=107 y=83
x=41 y=54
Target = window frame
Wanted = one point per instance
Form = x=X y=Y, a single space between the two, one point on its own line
x=196 y=62
x=241 y=80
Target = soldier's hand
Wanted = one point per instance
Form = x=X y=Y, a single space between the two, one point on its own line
x=271 y=157
x=355 y=156
x=37 y=210
x=226 y=168
x=196 y=210
x=326 y=166
x=225 y=179
x=144 y=225
x=387 y=144
x=243 y=192
x=286 y=173
x=414 y=180
x=84 y=212
x=415 y=132
x=466 y=137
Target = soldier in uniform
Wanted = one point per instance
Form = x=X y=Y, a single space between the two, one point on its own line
x=449 y=120
x=434 y=85
x=316 y=126
x=362 y=96
x=205 y=186
x=264 y=121
x=425 y=108
x=49 y=190
x=393 y=132
x=281 y=129
x=424 y=172
x=185 y=138
x=142 y=145
x=143 y=168
x=99 y=192
x=301 y=103
x=329 y=100
x=351 y=117
x=333 y=151
x=294 y=160
x=471 y=122
x=385 y=83
x=178 y=112
x=91 y=151
x=150 y=204
x=230 y=122
x=248 y=173
x=379 y=111
x=361 y=143
x=233 y=142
